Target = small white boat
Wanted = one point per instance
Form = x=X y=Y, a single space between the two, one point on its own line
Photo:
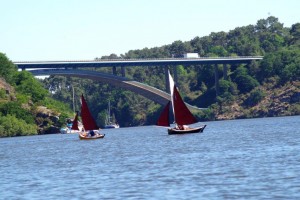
x=112 y=126
x=68 y=129
x=108 y=121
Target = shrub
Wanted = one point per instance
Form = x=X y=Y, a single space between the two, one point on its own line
x=2 y=93
x=295 y=109
x=245 y=82
x=11 y=126
x=255 y=97
x=14 y=108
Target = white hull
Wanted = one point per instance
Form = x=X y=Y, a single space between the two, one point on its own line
x=67 y=130
x=112 y=126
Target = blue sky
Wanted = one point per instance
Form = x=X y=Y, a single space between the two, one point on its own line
x=33 y=30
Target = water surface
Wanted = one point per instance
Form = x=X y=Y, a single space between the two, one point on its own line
x=238 y=159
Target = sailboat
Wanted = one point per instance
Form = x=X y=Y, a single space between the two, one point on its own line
x=108 y=122
x=91 y=130
x=68 y=127
x=182 y=115
x=69 y=123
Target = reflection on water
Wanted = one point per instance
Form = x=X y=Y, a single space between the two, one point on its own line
x=238 y=159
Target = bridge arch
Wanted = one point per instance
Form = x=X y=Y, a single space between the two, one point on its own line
x=154 y=94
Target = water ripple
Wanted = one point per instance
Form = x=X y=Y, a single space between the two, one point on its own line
x=238 y=159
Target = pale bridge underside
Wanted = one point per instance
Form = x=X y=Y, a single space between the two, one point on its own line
x=147 y=91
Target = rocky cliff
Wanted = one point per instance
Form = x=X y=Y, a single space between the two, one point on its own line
x=278 y=101
x=46 y=119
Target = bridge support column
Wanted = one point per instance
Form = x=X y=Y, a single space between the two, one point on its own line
x=225 y=69
x=123 y=71
x=114 y=70
x=167 y=79
x=175 y=74
x=216 y=79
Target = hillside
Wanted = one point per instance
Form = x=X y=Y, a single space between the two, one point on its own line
x=277 y=101
x=26 y=108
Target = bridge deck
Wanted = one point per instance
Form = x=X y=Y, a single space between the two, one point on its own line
x=136 y=62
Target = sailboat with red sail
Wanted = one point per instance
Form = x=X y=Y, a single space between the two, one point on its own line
x=182 y=115
x=91 y=130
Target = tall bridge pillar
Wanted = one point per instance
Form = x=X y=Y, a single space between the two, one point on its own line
x=216 y=79
x=123 y=71
x=225 y=69
x=114 y=70
x=175 y=74
x=167 y=79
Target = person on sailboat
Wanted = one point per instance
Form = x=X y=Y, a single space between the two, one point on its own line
x=182 y=127
x=91 y=133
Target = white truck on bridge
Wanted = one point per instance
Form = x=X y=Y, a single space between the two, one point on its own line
x=191 y=55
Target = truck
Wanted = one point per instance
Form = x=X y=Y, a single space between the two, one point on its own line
x=191 y=55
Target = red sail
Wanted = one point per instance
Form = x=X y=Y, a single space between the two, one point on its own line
x=75 y=123
x=182 y=114
x=163 y=120
x=87 y=118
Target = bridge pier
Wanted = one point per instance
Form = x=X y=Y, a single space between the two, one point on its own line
x=175 y=74
x=167 y=79
x=114 y=70
x=225 y=70
x=123 y=71
x=216 y=79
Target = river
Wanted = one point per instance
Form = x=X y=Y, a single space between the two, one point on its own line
x=235 y=159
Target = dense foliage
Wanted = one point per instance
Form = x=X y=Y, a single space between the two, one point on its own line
x=20 y=96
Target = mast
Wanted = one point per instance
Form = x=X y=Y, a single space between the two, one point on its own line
x=182 y=115
x=172 y=85
x=109 y=117
x=73 y=99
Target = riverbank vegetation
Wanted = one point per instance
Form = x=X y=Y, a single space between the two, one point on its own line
x=23 y=102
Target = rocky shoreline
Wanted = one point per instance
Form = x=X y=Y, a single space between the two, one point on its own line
x=278 y=101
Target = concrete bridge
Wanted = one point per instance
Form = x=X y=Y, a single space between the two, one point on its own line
x=147 y=91
x=136 y=62
x=70 y=68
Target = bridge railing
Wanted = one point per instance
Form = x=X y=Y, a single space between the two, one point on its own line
x=140 y=59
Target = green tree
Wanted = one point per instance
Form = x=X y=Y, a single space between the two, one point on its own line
x=30 y=86
x=245 y=82
x=295 y=33
x=255 y=97
x=178 y=48
x=11 y=126
x=15 y=108
x=7 y=69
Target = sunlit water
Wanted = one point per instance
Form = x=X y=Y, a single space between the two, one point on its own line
x=238 y=159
